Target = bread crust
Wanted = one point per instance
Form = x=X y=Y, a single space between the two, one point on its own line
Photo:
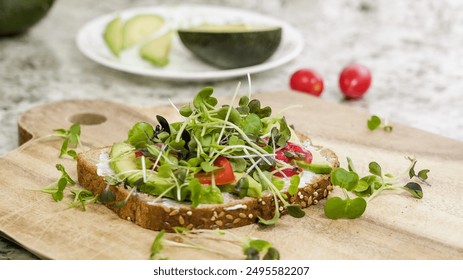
x=141 y=210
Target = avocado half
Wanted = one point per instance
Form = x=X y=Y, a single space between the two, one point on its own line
x=232 y=46
x=16 y=16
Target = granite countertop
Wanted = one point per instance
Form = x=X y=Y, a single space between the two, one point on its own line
x=412 y=48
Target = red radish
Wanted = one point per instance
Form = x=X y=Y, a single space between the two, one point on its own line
x=308 y=81
x=354 y=81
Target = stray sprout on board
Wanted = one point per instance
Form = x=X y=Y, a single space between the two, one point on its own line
x=368 y=187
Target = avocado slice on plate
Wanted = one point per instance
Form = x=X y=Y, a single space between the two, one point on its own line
x=139 y=28
x=113 y=36
x=157 y=50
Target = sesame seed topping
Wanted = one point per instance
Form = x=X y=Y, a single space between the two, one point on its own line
x=315 y=202
x=189 y=213
x=242 y=215
x=230 y=217
x=309 y=201
x=219 y=223
x=250 y=216
x=301 y=196
x=315 y=193
x=299 y=193
x=173 y=213
x=181 y=220
x=237 y=220
x=263 y=203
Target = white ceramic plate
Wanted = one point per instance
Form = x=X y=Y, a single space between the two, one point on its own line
x=183 y=65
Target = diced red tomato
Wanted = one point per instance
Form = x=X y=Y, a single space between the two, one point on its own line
x=294 y=148
x=138 y=153
x=222 y=176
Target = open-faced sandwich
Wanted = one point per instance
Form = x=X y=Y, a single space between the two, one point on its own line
x=220 y=167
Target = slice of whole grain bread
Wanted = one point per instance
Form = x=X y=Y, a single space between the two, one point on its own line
x=143 y=210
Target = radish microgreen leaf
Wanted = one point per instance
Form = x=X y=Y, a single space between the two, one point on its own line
x=375 y=123
x=345 y=179
x=423 y=174
x=82 y=198
x=415 y=189
x=107 y=196
x=56 y=189
x=71 y=140
x=157 y=246
x=375 y=169
x=337 y=208
x=295 y=211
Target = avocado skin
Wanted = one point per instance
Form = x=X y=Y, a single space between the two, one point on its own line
x=232 y=49
x=17 y=16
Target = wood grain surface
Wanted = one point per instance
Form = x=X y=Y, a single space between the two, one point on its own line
x=394 y=226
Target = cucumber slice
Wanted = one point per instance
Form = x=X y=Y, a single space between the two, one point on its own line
x=157 y=50
x=113 y=36
x=123 y=158
x=139 y=28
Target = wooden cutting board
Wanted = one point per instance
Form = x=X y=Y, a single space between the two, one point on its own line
x=394 y=226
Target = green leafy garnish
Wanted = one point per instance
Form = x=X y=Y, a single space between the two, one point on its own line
x=375 y=123
x=56 y=189
x=295 y=211
x=157 y=247
x=71 y=140
x=82 y=198
x=338 y=208
x=368 y=187
x=415 y=189
x=345 y=179
x=252 y=249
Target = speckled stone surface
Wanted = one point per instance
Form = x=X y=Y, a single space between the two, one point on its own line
x=413 y=48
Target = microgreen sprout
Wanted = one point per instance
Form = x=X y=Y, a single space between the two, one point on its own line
x=251 y=248
x=368 y=187
x=375 y=122
x=71 y=140
x=82 y=198
x=56 y=189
